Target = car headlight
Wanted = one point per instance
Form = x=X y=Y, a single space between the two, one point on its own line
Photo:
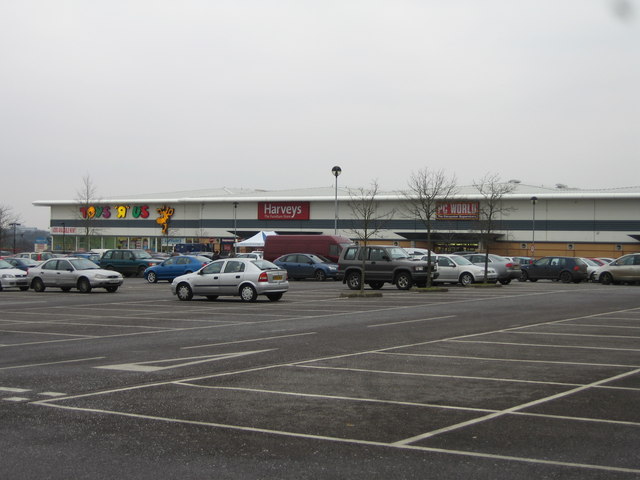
x=333 y=268
x=8 y=275
x=419 y=268
x=101 y=276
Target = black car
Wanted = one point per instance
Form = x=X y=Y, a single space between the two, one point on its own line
x=565 y=269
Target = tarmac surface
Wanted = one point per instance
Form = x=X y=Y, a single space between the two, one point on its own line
x=529 y=380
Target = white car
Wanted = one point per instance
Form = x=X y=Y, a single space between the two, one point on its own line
x=457 y=269
x=71 y=272
x=243 y=277
x=11 y=277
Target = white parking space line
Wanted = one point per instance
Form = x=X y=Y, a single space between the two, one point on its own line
x=498 y=359
x=410 y=321
x=438 y=375
x=337 y=397
x=249 y=340
x=51 y=363
x=13 y=390
x=562 y=334
x=31 y=332
x=543 y=345
x=516 y=408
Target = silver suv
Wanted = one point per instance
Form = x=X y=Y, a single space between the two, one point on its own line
x=382 y=264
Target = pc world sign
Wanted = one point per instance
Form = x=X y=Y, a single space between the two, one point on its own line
x=283 y=210
x=458 y=211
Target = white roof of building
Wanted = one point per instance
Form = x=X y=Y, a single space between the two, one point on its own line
x=227 y=194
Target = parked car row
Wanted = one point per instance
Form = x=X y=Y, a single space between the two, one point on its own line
x=248 y=276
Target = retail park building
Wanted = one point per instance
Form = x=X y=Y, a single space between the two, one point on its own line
x=561 y=221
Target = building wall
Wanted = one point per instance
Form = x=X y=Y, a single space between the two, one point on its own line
x=590 y=226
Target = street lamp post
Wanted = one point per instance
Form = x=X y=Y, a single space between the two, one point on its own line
x=235 y=227
x=64 y=243
x=336 y=171
x=14 y=225
x=533 y=226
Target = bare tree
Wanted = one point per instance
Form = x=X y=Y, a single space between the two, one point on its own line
x=8 y=221
x=87 y=198
x=367 y=218
x=491 y=208
x=427 y=188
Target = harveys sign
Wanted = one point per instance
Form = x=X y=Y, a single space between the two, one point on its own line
x=458 y=211
x=283 y=210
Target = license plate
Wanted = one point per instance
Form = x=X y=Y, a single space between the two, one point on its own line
x=277 y=277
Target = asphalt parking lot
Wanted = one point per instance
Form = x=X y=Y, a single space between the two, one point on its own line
x=524 y=381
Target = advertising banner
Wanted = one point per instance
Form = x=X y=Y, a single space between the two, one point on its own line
x=458 y=211
x=283 y=210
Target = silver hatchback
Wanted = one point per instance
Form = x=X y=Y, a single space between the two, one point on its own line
x=243 y=277
x=623 y=269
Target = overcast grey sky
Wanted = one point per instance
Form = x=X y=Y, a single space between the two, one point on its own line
x=156 y=95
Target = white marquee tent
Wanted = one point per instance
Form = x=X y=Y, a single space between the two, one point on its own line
x=256 y=241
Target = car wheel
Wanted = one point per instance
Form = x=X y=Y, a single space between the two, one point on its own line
x=38 y=285
x=565 y=277
x=320 y=276
x=140 y=271
x=111 y=289
x=152 y=277
x=466 y=279
x=248 y=293
x=404 y=281
x=211 y=298
x=84 y=286
x=274 y=297
x=524 y=276
x=606 y=278
x=354 y=280
x=184 y=292
x=376 y=285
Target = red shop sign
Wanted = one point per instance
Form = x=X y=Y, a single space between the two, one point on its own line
x=283 y=210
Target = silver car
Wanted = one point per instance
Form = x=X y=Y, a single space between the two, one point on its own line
x=243 y=277
x=11 y=277
x=506 y=269
x=623 y=269
x=68 y=273
x=457 y=269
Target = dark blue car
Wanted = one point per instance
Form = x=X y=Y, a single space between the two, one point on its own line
x=22 y=263
x=173 y=267
x=307 y=265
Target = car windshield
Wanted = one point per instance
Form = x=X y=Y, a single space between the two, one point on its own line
x=83 y=264
x=460 y=260
x=141 y=254
x=4 y=264
x=590 y=262
x=265 y=265
x=397 y=253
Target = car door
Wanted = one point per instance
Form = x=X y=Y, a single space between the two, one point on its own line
x=49 y=273
x=305 y=266
x=231 y=276
x=539 y=268
x=169 y=269
x=65 y=274
x=447 y=270
x=377 y=265
x=623 y=269
x=207 y=280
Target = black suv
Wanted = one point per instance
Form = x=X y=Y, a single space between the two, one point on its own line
x=382 y=264
x=128 y=262
x=565 y=269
